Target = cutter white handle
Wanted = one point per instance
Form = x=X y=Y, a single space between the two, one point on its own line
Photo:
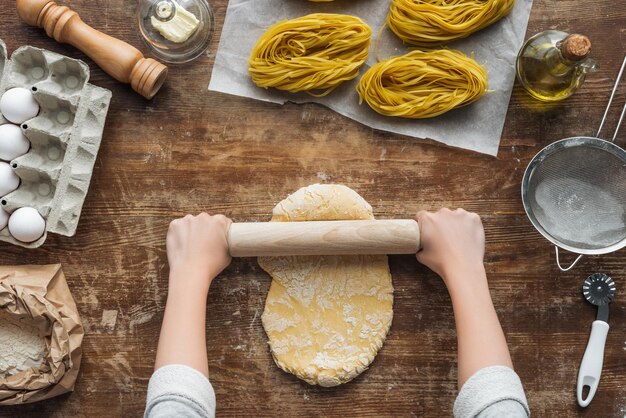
x=591 y=366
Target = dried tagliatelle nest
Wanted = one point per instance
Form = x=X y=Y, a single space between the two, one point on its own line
x=313 y=53
x=437 y=22
x=40 y=334
x=423 y=84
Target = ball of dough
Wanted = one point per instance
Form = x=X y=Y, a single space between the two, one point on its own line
x=326 y=317
x=26 y=225
x=18 y=105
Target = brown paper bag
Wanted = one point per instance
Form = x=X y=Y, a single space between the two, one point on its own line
x=41 y=293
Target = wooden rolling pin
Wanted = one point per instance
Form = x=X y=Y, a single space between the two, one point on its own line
x=120 y=60
x=324 y=238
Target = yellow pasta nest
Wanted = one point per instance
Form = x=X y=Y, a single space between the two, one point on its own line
x=422 y=84
x=436 y=22
x=313 y=53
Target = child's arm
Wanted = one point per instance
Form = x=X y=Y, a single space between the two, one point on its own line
x=453 y=245
x=197 y=251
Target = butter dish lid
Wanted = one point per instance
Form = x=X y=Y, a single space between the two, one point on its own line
x=176 y=31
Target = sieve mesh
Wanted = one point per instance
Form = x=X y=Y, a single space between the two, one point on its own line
x=578 y=196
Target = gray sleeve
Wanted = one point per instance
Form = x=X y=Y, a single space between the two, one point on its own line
x=491 y=392
x=179 y=391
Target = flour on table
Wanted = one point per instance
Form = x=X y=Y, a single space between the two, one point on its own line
x=21 y=347
x=326 y=317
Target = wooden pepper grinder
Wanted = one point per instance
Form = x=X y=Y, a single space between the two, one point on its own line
x=122 y=61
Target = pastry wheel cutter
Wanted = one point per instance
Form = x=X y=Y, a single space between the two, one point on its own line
x=599 y=289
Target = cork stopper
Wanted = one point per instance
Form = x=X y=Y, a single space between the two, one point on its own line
x=576 y=47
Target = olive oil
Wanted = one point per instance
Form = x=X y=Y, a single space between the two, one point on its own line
x=552 y=65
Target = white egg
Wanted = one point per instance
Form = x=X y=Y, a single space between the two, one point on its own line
x=13 y=143
x=9 y=181
x=18 y=105
x=4 y=218
x=26 y=224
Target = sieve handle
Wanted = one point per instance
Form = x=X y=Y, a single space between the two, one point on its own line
x=571 y=266
x=608 y=106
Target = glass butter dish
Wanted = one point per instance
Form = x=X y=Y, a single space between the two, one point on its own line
x=177 y=31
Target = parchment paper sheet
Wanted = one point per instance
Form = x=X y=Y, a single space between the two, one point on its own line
x=41 y=293
x=476 y=127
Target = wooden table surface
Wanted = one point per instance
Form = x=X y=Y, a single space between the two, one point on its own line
x=190 y=150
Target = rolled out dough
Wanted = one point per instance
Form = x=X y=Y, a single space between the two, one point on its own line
x=326 y=317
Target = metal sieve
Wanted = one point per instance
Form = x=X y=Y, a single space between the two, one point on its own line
x=574 y=192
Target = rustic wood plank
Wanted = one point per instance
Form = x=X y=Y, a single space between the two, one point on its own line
x=190 y=150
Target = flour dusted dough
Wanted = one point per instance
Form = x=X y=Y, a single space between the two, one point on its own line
x=326 y=316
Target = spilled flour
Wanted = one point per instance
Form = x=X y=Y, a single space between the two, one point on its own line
x=21 y=347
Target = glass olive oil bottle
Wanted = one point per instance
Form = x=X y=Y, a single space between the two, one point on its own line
x=552 y=64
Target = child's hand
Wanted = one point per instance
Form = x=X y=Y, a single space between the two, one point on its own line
x=453 y=242
x=197 y=250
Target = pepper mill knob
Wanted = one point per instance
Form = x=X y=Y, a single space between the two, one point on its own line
x=30 y=10
x=122 y=61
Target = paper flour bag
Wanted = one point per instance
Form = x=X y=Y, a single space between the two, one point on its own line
x=40 y=334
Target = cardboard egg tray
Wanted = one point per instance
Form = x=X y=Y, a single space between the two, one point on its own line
x=65 y=137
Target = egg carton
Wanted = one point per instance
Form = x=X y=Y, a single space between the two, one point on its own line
x=65 y=137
